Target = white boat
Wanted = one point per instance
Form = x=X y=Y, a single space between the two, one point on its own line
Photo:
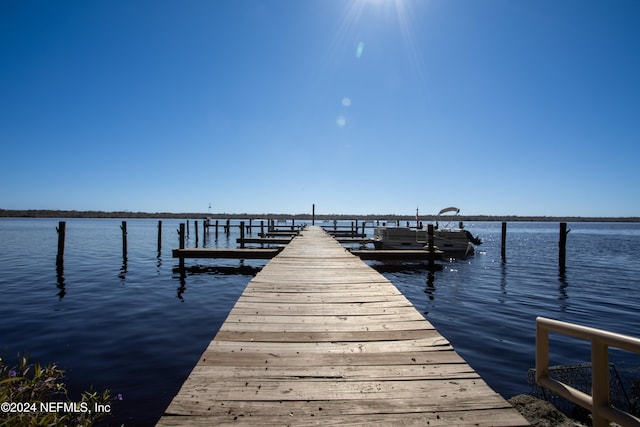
x=451 y=241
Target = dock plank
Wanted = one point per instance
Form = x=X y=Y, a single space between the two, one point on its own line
x=318 y=337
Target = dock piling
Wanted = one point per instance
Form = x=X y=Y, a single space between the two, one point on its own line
x=181 y=238
x=562 y=246
x=503 y=247
x=159 y=237
x=205 y=230
x=123 y=227
x=431 y=247
x=61 y=229
x=242 y=234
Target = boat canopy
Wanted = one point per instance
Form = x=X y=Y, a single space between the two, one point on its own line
x=451 y=209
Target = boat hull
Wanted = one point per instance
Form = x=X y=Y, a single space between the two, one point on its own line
x=448 y=241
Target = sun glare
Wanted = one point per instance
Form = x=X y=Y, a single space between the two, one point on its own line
x=383 y=15
x=369 y=25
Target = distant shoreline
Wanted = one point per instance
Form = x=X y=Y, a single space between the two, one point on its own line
x=41 y=213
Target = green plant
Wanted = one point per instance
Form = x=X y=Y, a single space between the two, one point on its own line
x=33 y=395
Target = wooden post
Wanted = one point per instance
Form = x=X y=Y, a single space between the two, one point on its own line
x=216 y=230
x=250 y=227
x=159 y=237
x=503 y=250
x=293 y=224
x=181 y=237
x=599 y=380
x=262 y=228
x=195 y=223
x=227 y=228
x=124 y=240
x=313 y=214
x=61 y=229
x=562 y=246
x=242 y=234
x=187 y=228
x=205 y=230
x=431 y=247
x=363 y=223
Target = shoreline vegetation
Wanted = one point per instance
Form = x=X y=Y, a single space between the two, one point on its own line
x=42 y=213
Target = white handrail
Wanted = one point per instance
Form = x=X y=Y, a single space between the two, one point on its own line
x=598 y=402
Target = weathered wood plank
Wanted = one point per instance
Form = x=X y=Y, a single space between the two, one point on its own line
x=437 y=356
x=381 y=319
x=268 y=326
x=333 y=417
x=261 y=336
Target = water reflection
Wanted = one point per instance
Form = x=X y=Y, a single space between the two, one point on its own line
x=562 y=290
x=239 y=270
x=183 y=284
x=503 y=281
x=431 y=288
x=60 y=281
x=123 y=271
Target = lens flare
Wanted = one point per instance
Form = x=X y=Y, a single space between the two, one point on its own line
x=359 y=50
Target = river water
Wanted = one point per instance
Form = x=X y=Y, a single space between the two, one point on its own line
x=138 y=327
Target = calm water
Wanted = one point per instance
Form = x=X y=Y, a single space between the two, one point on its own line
x=138 y=328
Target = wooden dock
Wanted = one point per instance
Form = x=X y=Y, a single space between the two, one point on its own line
x=318 y=337
x=250 y=253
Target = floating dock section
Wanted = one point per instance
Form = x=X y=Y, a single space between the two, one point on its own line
x=318 y=337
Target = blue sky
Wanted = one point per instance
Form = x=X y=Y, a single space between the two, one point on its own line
x=499 y=107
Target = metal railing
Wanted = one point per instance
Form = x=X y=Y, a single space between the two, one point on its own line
x=599 y=401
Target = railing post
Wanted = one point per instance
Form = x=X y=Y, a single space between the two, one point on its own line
x=542 y=352
x=599 y=381
x=242 y=234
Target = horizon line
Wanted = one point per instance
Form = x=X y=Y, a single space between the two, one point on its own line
x=72 y=213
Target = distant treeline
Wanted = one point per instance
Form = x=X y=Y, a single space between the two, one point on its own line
x=303 y=217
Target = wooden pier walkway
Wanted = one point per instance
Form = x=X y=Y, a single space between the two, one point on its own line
x=318 y=337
